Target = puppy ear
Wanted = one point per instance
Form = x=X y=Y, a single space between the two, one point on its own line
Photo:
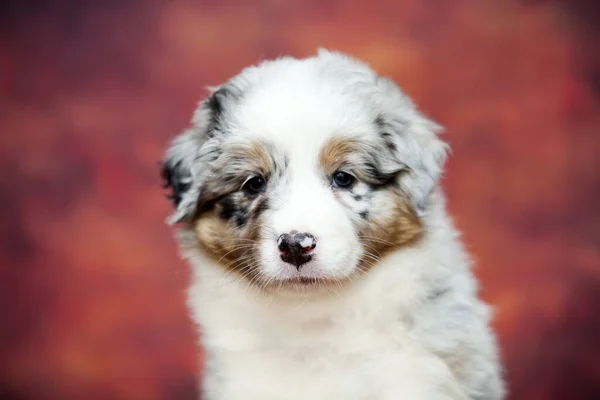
x=413 y=140
x=185 y=164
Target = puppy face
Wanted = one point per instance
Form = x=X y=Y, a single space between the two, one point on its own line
x=301 y=173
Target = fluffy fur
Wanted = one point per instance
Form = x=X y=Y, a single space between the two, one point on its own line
x=386 y=306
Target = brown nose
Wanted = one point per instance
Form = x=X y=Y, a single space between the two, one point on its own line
x=296 y=248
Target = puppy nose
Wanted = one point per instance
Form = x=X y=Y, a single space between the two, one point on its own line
x=296 y=248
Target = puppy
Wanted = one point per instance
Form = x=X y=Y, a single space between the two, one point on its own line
x=324 y=265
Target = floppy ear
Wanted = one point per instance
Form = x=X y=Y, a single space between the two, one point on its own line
x=413 y=140
x=185 y=164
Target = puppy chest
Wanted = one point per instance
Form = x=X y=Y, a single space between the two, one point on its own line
x=345 y=365
x=292 y=374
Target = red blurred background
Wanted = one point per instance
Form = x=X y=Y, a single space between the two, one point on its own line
x=91 y=286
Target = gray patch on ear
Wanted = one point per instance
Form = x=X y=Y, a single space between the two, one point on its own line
x=186 y=161
x=413 y=142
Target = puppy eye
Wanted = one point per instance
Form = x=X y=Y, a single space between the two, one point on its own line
x=343 y=180
x=254 y=185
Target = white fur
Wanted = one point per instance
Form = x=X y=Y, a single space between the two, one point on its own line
x=410 y=328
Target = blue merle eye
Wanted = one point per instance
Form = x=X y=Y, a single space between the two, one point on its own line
x=254 y=185
x=343 y=180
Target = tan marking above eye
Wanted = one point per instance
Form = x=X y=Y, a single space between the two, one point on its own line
x=347 y=154
x=246 y=158
x=335 y=152
x=240 y=161
x=258 y=155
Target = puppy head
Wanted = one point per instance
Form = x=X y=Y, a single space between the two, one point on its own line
x=299 y=173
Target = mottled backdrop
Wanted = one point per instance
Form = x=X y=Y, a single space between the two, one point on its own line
x=91 y=287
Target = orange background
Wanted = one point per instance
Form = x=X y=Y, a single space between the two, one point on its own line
x=91 y=287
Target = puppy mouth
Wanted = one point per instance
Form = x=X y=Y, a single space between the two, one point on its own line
x=304 y=281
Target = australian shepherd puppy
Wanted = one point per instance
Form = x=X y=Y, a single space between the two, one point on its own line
x=324 y=264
